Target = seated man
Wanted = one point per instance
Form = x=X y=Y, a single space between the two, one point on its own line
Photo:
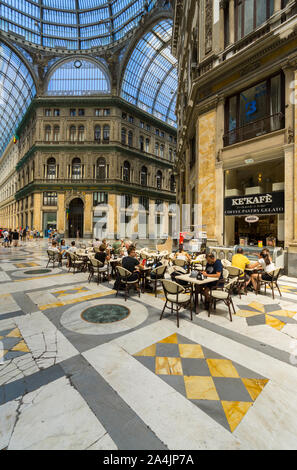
x=73 y=248
x=214 y=268
x=131 y=264
x=242 y=262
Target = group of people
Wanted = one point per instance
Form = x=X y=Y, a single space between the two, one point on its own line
x=13 y=237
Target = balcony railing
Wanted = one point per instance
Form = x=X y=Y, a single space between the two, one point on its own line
x=256 y=128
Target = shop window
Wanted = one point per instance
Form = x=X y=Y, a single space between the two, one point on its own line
x=250 y=14
x=255 y=111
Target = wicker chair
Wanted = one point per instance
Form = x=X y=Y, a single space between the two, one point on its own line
x=74 y=262
x=176 y=295
x=98 y=269
x=159 y=274
x=224 y=295
x=54 y=257
x=123 y=277
x=236 y=273
x=272 y=283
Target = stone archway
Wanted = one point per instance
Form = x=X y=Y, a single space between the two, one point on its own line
x=76 y=218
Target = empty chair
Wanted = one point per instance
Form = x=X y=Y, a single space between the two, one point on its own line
x=176 y=296
x=224 y=295
x=54 y=257
x=156 y=275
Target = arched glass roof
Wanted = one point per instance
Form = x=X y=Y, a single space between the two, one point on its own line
x=17 y=90
x=78 y=77
x=72 y=24
x=150 y=79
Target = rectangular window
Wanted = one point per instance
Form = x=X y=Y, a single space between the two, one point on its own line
x=100 y=198
x=124 y=116
x=126 y=201
x=72 y=112
x=49 y=199
x=142 y=124
x=81 y=112
x=144 y=202
x=98 y=112
x=255 y=111
x=157 y=132
x=56 y=112
x=162 y=134
x=250 y=14
x=106 y=112
x=47 y=112
x=131 y=119
x=148 y=127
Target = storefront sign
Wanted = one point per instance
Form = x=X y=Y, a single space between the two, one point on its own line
x=251 y=219
x=261 y=204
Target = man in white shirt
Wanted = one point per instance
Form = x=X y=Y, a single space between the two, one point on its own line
x=5 y=237
x=73 y=248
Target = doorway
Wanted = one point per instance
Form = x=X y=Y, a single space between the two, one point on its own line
x=76 y=219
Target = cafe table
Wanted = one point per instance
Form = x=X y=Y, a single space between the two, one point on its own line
x=196 y=284
x=113 y=263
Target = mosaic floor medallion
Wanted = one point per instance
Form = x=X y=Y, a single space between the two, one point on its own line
x=105 y=313
x=38 y=271
x=222 y=388
x=273 y=315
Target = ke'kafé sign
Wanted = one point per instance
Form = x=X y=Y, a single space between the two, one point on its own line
x=261 y=204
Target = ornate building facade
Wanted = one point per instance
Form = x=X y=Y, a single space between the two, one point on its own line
x=236 y=109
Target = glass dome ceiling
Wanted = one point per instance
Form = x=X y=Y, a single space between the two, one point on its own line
x=150 y=79
x=17 y=90
x=72 y=24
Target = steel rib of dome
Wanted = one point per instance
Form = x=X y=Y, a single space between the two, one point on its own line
x=72 y=24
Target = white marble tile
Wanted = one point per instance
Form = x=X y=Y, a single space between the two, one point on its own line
x=8 y=413
x=271 y=422
x=165 y=411
x=45 y=422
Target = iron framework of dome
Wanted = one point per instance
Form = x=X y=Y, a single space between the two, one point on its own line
x=72 y=24
x=150 y=79
x=17 y=90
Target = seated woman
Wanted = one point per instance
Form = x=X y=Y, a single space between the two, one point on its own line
x=63 y=248
x=181 y=254
x=265 y=263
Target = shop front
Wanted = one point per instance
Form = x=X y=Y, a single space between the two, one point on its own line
x=254 y=205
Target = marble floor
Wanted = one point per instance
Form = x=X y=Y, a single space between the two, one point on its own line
x=131 y=381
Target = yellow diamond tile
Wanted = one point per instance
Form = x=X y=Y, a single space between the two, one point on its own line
x=168 y=366
x=235 y=411
x=2 y=353
x=200 y=388
x=274 y=322
x=257 y=306
x=21 y=347
x=14 y=334
x=149 y=351
x=191 y=350
x=283 y=313
x=247 y=313
x=222 y=368
x=170 y=339
x=254 y=386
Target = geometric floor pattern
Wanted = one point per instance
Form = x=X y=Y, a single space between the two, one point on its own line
x=273 y=315
x=220 y=387
x=12 y=344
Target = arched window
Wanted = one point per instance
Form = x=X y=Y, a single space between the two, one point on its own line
x=51 y=168
x=106 y=132
x=126 y=172
x=123 y=136
x=72 y=133
x=159 y=179
x=76 y=168
x=141 y=143
x=147 y=145
x=48 y=132
x=101 y=168
x=157 y=149
x=143 y=176
x=162 y=151
x=130 y=139
x=97 y=133
x=56 y=134
x=172 y=183
x=81 y=133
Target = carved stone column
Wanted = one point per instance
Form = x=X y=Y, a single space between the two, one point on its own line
x=231 y=22
x=277 y=5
